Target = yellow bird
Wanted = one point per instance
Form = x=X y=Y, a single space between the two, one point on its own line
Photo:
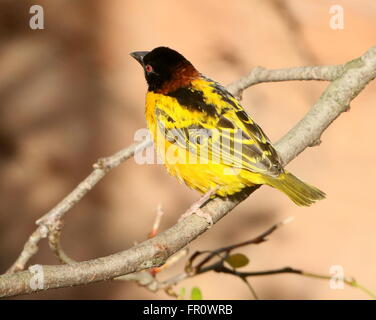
x=205 y=136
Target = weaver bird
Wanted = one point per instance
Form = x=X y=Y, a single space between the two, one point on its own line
x=190 y=114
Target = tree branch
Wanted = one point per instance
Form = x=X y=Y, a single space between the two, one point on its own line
x=349 y=81
x=50 y=221
x=260 y=75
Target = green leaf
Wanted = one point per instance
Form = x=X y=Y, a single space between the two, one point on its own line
x=182 y=293
x=196 y=294
x=237 y=260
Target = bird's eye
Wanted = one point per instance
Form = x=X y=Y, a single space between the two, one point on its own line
x=148 y=68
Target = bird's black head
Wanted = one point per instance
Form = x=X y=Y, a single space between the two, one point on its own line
x=165 y=69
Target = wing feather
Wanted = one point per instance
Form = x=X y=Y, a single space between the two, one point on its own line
x=229 y=136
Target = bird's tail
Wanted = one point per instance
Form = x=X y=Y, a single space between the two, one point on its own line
x=298 y=191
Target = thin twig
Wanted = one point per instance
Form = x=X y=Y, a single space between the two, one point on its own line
x=349 y=281
x=262 y=75
x=55 y=244
x=157 y=221
x=153 y=284
x=250 y=287
x=54 y=216
x=217 y=253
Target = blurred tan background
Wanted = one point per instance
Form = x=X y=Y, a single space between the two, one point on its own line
x=71 y=93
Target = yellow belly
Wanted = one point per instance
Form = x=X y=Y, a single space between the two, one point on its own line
x=205 y=176
x=200 y=176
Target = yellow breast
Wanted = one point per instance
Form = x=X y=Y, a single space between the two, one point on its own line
x=178 y=161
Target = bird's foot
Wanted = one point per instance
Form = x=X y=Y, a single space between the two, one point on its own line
x=196 y=207
x=193 y=209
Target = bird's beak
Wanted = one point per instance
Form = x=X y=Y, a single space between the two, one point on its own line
x=139 y=56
